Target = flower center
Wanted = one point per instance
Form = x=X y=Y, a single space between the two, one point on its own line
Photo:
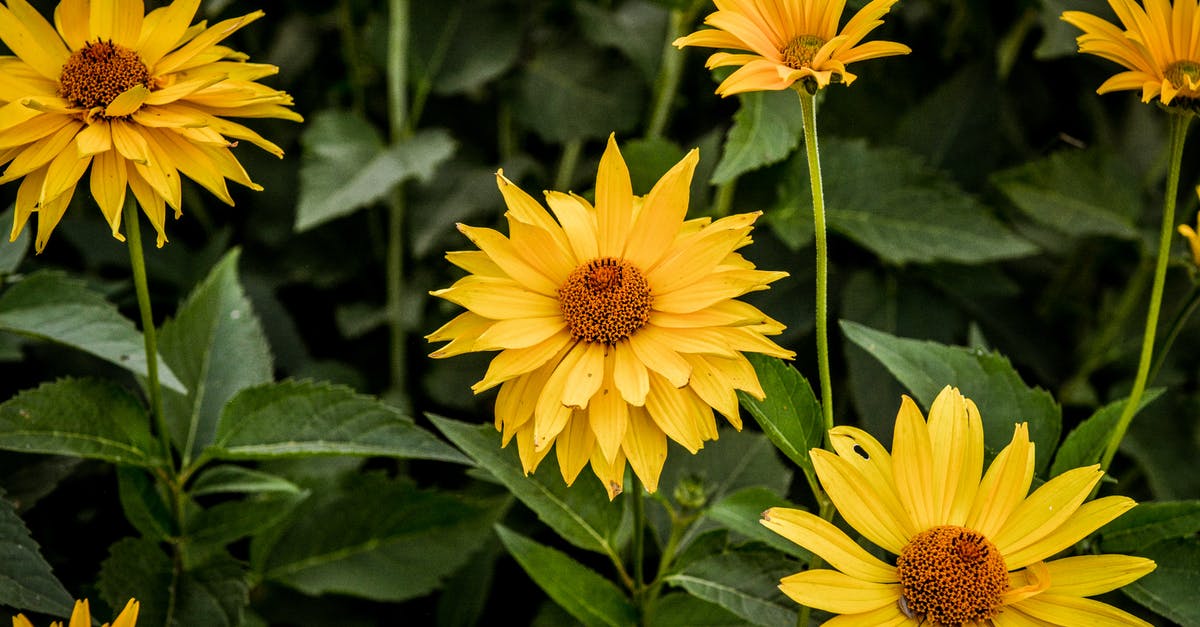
x=952 y=575
x=1180 y=72
x=100 y=71
x=799 y=52
x=605 y=300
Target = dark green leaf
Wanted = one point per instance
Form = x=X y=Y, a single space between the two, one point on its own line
x=462 y=44
x=590 y=598
x=1171 y=589
x=26 y=581
x=684 y=610
x=144 y=504
x=648 y=159
x=1149 y=523
x=986 y=378
x=766 y=129
x=391 y=541
x=741 y=512
x=12 y=253
x=228 y=478
x=790 y=414
x=82 y=418
x=214 y=595
x=293 y=418
x=635 y=28
x=581 y=514
x=723 y=466
x=217 y=346
x=1077 y=193
x=232 y=520
x=570 y=92
x=346 y=166
x=1085 y=444
x=745 y=583
x=52 y=306
x=891 y=203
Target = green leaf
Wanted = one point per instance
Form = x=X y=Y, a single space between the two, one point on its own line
x=217 y=346
x=1171 y=589
x=294 y=418
x=391 y=541
x=1078 y=193
x=346 y=166
x=684 y=610
x=14 y=252
x=581 y=514
x=789 y=414
x=461 y=45
x=227 y=479
x=27 y=582
x=741 y=512
x=745 y=583
x=214 y=595
x=53 y=306
x=81 y=418
x=986 y=378
x=569 y=92
x=1149 y=523
x=891 y=203
x=634 y=28
x=648 y=159
x=590 y=598
x=728 y=464
x=1085 y=444
x=766 y=129
x=225 y=522
x=144 y=504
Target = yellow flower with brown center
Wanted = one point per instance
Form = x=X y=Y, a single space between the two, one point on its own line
x=1158 y=46
x=1192 y=237
x=81 y=616
x=140 y=98
x=617 y=324
x=971 y=546
x=790 y=40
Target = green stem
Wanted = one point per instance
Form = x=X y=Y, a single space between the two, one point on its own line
x=1178 y=134
x=639 y=544
x=398 y=118
x=1181 y=318
x=809 y=106
x=566 y=164
x=149 y=334
x=723 y=199
x=669 y=71
x=350 y=55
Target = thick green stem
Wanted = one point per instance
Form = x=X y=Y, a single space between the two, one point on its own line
x=149 y=334
x=669 y=71
x=1178 y=134
x=398 y=118
x=809 y=106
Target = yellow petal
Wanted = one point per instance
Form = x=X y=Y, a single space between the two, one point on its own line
x=1057 y=609
x=886 y=616
x=178 y=59
x=1047 y=508
x=586 y=377
x=913 y=465
x=72 y=18
x=31 y=38
x=27 y=198
x=608 y=413
x=551 y=414
x=653 y=348
x=475 y=262
x=518 y=361
x=839 y=593
x=517 y=399
x=830 y=543
x=94 y=139
x=168 y=29
x=81 y=615
x=63 y=173
x=518 y=333
x=49 y=215
x=1090 y=575
x=879 y=516
x=20 y=621
x=578 y=222
x=544 y=250
x=119 y=21
x=730 y=313
x=574 y=446
x=611 y=474
x=714 y=388
x=675 y=412
x=530 y=455
x=713 y=289
x=695 y=257
x=462 y=331
x=193 y=162
x=645 y=446
x=630 y=374
x=498 y=299
x=661 y=215
x=128 y=616
x=1088 y=518
x=39 y=128
x=512 y=261
x=614 y=201
x=128 y=102
x=130 y=142
x=1004 y=485
x=151 y=203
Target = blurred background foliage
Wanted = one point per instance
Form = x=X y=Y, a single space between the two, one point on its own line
x=980 y=194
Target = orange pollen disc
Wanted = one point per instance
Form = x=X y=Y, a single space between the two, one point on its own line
x=799 y=52
x=1180 y=73
x=605 y=300
x=951 y=575
x=100 y=71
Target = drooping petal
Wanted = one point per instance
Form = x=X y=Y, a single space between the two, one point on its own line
x=830 y=543
x=645 y=446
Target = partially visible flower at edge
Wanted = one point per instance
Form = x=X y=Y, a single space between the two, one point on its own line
x=81 y=616
x=1157 y=47
x=138 y=98
x=789 y=41
x=1192 y=237
x=617 y=324
x=970 y=550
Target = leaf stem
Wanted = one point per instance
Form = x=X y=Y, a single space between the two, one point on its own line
x=398 y=119
x=149 y=334
x=809 y=107
x=1178 y=134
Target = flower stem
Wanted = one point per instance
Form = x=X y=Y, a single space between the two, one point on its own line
x=669 y=71
x=809 y=106
x=1185 y=313
x=566 y=164
x=149 y=334
x=1178 y=133
x=398 y=119
x=639 y=543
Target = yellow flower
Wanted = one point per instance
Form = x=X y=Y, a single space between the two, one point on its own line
x=970 y=550
x=82 y=616
x=1157 y=46
x=1193 y=239
x=616 y=325
x=139 y=98
x=789 y=41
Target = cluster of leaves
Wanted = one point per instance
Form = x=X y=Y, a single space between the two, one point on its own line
x=992 y=222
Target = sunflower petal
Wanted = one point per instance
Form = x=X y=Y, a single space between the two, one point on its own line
x=830 y=543
x=837 y=592
x=1090 y=575
x=1088 y=518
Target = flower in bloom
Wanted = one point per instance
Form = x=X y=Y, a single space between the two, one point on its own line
x=785 y=41
x=140 y=98
x=971 y=546
x=617 y=324
x=1193 y=239
x=1159 y=47
x=81 y=616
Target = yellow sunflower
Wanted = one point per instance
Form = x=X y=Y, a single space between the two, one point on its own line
x=789 y=41
x=616 y=324
x=138 y=97
x=81 y=616
x=1193 y=239
x=970 y=550
x=1160 y=46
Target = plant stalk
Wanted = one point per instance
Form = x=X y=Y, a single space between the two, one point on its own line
x=398 y=119
x=809 y=107
x=137 y=262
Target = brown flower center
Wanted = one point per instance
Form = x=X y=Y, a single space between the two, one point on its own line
x=605 y=300
x=100 y=71
x=799 y=52
x=952 y=575
x=1180 y=72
